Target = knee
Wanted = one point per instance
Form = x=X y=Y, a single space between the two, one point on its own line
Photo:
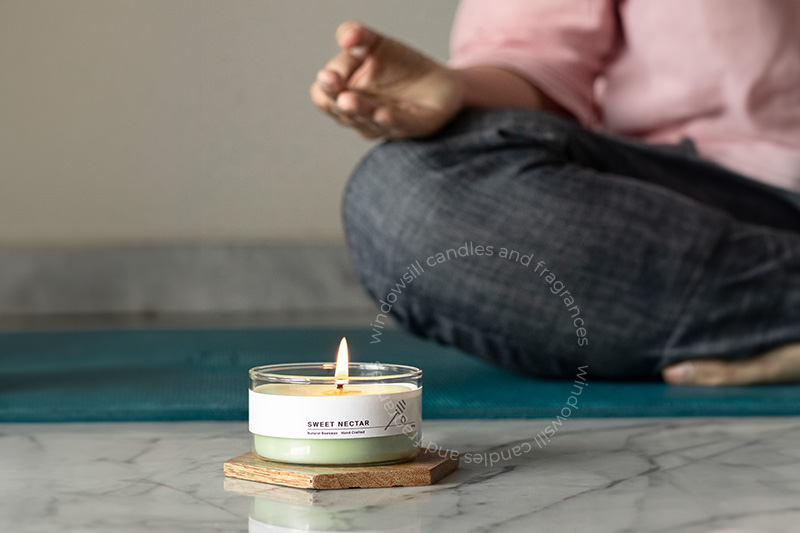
x=400 y=185
x=407 y=199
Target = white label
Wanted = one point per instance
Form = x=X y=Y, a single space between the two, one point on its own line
x=335 y=417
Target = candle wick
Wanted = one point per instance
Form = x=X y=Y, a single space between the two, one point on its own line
x=340 y=386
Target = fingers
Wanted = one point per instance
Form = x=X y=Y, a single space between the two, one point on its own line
x=356 y=42
x=357 y=109
x=330 y=82
x=356 y=39
x=381 y=87
x=348 y=109
x=329 y=91
x=356 y=104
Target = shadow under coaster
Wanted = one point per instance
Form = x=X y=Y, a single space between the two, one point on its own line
x=154 y=375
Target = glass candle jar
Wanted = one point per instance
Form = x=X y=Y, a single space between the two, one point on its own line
x=301 y=413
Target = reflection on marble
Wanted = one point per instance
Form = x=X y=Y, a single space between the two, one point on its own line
x=686 y=474
x=284 y=509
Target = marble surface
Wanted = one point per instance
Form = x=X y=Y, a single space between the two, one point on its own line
x=685 y=475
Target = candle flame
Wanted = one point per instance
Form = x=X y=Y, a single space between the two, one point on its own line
x=342 y=364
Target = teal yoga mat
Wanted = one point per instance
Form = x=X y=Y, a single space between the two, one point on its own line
x=202 y=375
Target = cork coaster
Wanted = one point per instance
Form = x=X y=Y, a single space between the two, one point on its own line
x=426 y=469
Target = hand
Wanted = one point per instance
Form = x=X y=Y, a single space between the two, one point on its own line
x=383 y=88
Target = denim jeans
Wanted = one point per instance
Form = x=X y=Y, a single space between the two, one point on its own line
x=530 y=242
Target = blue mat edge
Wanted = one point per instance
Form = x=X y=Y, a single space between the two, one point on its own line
x=681 y=407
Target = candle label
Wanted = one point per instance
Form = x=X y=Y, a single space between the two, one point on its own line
x=335 y=417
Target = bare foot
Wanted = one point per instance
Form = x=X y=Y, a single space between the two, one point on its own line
x=781 y=365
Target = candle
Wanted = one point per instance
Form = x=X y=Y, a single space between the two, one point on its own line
x=350 y=413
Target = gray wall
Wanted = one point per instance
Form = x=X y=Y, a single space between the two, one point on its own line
x=178 y=121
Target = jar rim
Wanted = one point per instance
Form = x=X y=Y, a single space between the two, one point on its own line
x=293 y=373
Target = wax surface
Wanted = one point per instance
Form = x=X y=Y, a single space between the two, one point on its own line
x=350 y=389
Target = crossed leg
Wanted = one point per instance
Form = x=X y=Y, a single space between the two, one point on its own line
x=665 y=266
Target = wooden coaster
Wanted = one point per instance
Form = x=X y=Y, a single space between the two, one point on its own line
x=426 y=469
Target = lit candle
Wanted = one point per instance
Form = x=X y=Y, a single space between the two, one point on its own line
x=353 y=413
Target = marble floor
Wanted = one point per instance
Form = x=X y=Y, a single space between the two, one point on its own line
x=682 y=474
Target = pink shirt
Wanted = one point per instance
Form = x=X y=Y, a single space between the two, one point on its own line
x=725 y=73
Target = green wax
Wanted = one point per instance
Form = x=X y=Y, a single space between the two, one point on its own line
x=391 y=449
